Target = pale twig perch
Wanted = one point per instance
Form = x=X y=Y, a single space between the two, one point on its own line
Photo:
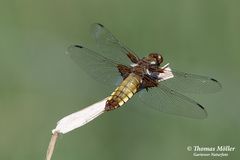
x=73 y=121
x=51 y=145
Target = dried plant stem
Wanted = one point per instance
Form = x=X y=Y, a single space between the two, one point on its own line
x=51 y=145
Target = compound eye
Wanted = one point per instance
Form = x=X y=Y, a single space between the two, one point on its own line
x=160 y=59
x=153 y=54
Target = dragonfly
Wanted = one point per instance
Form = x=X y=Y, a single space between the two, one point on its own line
x=156 y=85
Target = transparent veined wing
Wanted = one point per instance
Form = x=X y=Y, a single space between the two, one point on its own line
x=192 y=83
x=97 y=66
x=109 y=45
x=169 y=101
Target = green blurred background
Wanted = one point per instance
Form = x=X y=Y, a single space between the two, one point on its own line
x=39 y=84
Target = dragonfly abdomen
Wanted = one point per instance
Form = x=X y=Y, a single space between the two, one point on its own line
x=123 y=92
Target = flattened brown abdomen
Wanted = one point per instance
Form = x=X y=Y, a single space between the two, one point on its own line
x=123 y=92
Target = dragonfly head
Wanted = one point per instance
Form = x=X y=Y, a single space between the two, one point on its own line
x=155 y=58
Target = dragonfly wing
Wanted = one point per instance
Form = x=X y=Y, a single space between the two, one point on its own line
x=192 y=83
x=97 y=66
x=169 y=101
x=110 y=45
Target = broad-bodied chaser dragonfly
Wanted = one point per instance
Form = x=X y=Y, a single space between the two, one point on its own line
x=159 y=86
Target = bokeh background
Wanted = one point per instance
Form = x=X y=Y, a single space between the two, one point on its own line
x=39 y=84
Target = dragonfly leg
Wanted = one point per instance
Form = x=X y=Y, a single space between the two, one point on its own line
x=148 y=82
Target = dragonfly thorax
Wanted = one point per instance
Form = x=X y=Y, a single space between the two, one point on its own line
x=149 y=65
